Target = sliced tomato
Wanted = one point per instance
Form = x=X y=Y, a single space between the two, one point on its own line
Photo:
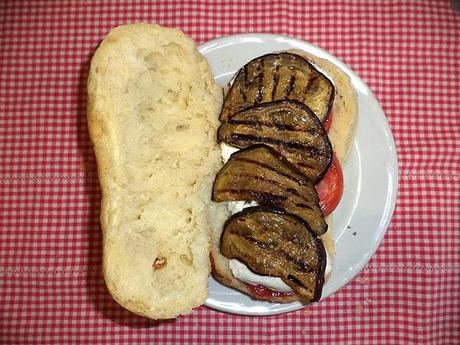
x=330 y=188
x=327 y=122
x=264 y=292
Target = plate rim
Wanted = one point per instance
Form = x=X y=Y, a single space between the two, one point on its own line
x=393 y=178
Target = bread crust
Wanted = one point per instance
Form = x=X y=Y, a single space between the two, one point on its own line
x=152 y=115
x=341 y=135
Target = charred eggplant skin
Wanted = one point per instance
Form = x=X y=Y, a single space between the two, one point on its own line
x=260 y=173
x=278 y=76
x=288 y=126
x=297 y=252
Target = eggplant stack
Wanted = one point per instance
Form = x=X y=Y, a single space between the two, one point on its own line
x=274 y=112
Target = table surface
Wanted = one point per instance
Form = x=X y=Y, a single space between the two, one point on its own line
x=51 y=288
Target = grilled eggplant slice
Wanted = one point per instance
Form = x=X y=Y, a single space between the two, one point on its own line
x=274 y=243
x=260 y=173
x=289 y=127
x=279 y=76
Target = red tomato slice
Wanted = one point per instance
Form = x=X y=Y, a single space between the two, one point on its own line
x=264 y=292
x=330 y=188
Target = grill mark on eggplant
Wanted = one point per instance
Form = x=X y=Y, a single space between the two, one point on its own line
x=309 y=84
x=261 y=79
x=251 y=239
x=307 y=151
x=301 y=265
x=267 y=180
x=280 y=126
x=294 y=280
x=263 y=165
x=313 y=151
x=273 y=182
x=243 y=90
x=243 y=95
x=276 y=79
x=258 y=195
x=245 y=75
x=290 y=86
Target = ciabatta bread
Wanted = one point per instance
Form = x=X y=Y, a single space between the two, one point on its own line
x=153 y=111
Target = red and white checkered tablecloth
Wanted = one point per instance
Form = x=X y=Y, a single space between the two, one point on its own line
x=51 y=287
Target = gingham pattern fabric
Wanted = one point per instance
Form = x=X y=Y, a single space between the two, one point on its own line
x=51 y=287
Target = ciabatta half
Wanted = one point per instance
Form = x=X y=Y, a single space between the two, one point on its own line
x=153 y=111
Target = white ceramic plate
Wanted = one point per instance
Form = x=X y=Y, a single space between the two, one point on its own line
x=371 y=174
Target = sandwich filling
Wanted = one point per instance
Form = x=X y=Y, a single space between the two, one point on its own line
x=282 y=174
x=239 y=269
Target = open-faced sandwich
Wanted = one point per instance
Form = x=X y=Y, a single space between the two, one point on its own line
x=287 y=122
x=159 y=126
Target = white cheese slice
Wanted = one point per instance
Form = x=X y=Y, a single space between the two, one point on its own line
x=227 y=151
x=243 y=273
